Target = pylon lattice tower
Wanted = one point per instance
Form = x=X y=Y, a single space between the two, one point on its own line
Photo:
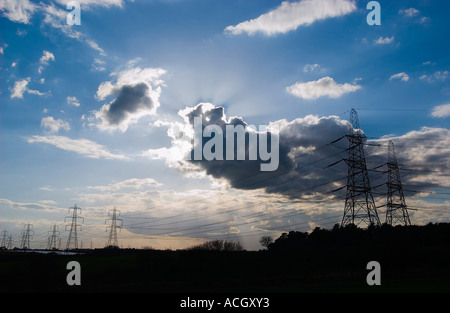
x=396 y=212
x=4 y=239
x=359 y=203
x=9 y=245
x=112 y=239
x=52 y=245
x=73 y=235
x=26 y=235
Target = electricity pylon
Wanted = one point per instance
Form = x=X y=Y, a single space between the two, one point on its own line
x=4 y=240
x=359 y=203
x=26 y=234
x=9 y=246
x=73 y=238
x=52 y=238
x=112 y=239
x=397 y=212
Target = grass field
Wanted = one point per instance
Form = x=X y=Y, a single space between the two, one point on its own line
x=153 y=271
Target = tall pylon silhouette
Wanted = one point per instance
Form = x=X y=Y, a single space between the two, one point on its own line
x=359 y=203
x=396 y=212
x=26 y=235
x=4 y=240
x=72 y=242
x=52 y=245
x=112 y=239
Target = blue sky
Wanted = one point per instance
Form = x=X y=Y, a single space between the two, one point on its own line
x=295 y=64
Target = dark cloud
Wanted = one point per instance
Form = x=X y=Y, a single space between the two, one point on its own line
x=312 y=153
x=130 y=99
x=304 y=151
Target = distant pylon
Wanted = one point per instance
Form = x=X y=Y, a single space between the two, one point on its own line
x=359 y=202
x=52 y=239
x=9 y=246
x=73 y=238
x=397 y=212
x=112 y=239
x=4 y=239
x=26 y=234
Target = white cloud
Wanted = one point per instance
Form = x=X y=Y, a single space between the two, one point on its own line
x=427 y=152
x=402 y=76
x=97 y=65
x=21 y=86
x=442 y=76
x=73 y=101
x=325 y=86
x=87 y=3
x=311 y=68
x=95 y=46
x=290 y=15
x=84 y=147
x=137 y=92
x=384 y=41
x=27 y=205
x=19 y=11
x=409 y=12
x=56 y=18
x=53 y=125
x=44 y=60
x=441 y=111
x=133 y=183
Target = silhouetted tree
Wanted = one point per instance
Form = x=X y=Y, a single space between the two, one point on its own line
x=217 y=245
x=265 y=241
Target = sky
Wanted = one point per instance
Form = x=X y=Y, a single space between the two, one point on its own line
x=100 y=115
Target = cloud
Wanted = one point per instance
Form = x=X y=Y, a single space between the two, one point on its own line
x=384 y=41
x=137 y=94
x=325 y=86
x=402 y=76
x=53 y=125
x=133 y=183
x=27 y=205
x=21 y=86
x=311 y=68
x=441 y=111
x=88 y=3
x=311 y=154
x=411 y=12
x=423 y=155
x=56 y=18
x=84 y=147
x=45 y=58
x=97 y=65
x=95 y=46
x=442 y=76
x=297 y=142
x=19 y=11
x=73 y=101
x=290 y=15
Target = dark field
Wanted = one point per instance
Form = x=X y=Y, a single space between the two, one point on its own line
x=419 y=269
